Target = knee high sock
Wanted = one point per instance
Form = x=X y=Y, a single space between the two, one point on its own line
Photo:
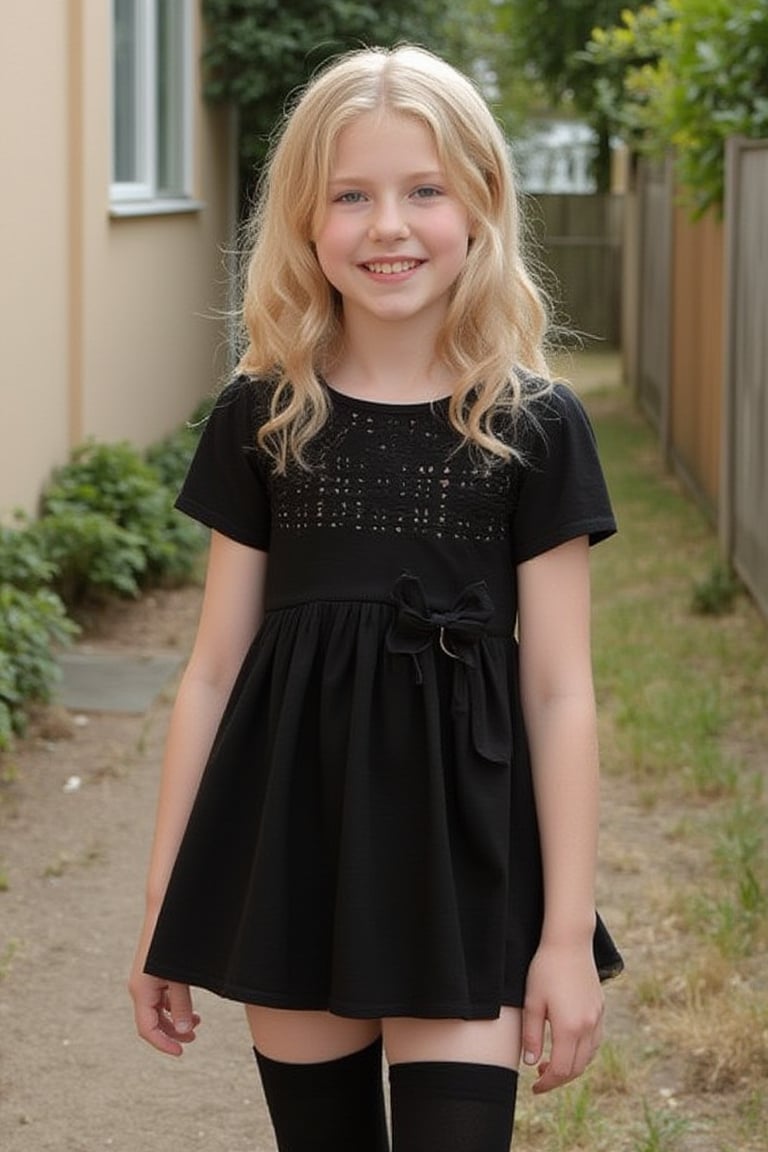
x=452 y=1107
x=334 y=1106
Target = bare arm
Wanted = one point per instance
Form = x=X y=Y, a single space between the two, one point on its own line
x=559 y=709
x=232 y=611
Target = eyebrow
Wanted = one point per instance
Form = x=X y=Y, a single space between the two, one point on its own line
x=433 y=176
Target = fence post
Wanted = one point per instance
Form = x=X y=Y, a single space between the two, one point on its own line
x=725 y=517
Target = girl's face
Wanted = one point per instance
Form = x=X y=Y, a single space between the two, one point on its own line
x=393 y=237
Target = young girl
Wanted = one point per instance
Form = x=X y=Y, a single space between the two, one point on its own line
x=378 y=815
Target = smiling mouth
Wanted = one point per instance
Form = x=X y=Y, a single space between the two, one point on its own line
x=391 y=267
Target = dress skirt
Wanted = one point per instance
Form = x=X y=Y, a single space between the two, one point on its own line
x=364 y=839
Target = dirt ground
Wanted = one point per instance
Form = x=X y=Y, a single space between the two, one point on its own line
x=73 y=1076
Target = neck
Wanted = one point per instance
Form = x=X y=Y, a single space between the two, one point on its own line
x=389 y=362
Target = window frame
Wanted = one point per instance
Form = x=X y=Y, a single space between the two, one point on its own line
x=142 y=195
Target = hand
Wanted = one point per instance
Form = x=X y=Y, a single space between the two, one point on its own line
x=163 y=1012
x=563 y=989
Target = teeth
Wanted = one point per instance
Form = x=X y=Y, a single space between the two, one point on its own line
x=395 y=266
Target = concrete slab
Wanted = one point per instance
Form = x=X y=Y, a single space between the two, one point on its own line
x=94 y=680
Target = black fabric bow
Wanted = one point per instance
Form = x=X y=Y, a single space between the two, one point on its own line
x=458 y=630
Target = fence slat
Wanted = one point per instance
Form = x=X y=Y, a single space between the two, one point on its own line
x=745 y=448
x=579 y=241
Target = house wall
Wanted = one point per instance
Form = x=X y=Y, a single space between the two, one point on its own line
x=112 y=325
x=34 y=241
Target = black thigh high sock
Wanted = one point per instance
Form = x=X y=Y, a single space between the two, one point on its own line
x=335 y=1106
x=452 y=1107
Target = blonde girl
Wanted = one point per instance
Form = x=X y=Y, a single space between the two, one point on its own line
x=377 y=821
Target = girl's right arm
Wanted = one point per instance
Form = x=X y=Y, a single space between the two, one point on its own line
x=232 y=611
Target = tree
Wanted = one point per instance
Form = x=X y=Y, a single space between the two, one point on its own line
x=259 y=51
x=544 y=40
x=686 y=74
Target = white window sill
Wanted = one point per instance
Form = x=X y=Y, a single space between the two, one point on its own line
x=170 y=207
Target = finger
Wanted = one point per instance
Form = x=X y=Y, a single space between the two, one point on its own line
x=534 y=1023
x=549 y=1079
x=559 y=1068
x=150 y=1021
x=568 y=1060
x=182 y=1017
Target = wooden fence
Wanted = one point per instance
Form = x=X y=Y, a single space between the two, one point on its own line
x=579 y=242
x=696 y=346
x=654 y=264
x=744 y=475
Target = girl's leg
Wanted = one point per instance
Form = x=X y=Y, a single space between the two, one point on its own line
x=322 y=1080
x=453 y=1083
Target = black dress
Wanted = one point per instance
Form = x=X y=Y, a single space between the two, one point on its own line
x=364 y=837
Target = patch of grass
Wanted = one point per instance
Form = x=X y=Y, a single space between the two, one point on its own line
x=574 y=1120
x=661 y=1131
x=753 y=1114
x=6 y=958
x=715 y=594
x=568 y=1120
x=722 y=1038
x=64 y=863
x=679 y=682
x=611 y=1073
x=682 y=681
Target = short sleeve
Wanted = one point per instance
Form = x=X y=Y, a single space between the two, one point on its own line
x=225 y=487
x=562 y=492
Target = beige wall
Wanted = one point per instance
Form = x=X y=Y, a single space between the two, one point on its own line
x=34 y=348
x=109 y=323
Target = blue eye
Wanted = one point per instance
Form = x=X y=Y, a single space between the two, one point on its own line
x=427 y=192
x=349 y=198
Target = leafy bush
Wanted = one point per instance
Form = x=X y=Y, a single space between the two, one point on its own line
x=92 y=556
x=107 y=527
x=109 y=524
x=23 y=560
x=32 y=619
x=30 y=623
x=172 y=455
x=686 y=74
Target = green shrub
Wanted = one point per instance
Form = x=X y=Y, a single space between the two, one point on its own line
x=107 y=527
x=132 y=536
x=93 y=557
x=31 y=622
x=171 y=456
x=8 y=700
x=716 y=593
x=23 y=560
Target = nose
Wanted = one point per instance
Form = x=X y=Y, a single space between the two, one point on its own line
x=388 y=221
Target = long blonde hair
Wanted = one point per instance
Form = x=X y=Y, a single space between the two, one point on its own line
x=496 y=318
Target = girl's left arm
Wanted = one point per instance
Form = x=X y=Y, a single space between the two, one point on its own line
x=563 y=989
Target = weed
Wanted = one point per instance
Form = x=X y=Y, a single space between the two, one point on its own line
x=9 y=773
x=93 y=854
x=611 y=1072
x=716 y=593
x=753 y=1112
x=722 y=1038
x=6 y=957
x=661 y=1132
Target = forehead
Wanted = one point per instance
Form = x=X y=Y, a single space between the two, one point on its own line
x=381 y=142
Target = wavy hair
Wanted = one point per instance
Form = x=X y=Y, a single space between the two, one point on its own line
x=496 y=319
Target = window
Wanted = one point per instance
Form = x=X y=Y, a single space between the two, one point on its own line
x=152 y=94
